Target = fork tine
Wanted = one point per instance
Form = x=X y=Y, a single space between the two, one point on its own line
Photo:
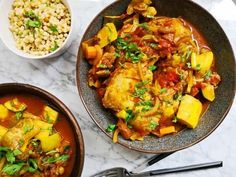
x=113 y=172
x=106 y=173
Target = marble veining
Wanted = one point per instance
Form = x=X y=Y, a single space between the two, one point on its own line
x=58 y=77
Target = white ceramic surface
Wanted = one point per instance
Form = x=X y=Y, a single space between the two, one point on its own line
x=7 y=37
x=58 y=77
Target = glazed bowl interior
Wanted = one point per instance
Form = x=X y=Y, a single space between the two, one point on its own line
x=225 y=64
x=16 y=88
x=9 y=41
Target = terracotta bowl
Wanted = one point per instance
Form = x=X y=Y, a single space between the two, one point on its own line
x=225 y=63
x=17 y=88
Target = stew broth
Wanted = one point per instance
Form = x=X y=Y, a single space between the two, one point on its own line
x=36 y=106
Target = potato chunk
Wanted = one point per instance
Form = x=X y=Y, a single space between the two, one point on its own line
x=209 y=92
x=49 y=143
x=50 y=115
x=3 y=112
x=189 y=111
x=202 y=62
x=107 y=34
x=20 y=134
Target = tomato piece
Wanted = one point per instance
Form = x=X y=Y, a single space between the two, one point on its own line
x=167 y=77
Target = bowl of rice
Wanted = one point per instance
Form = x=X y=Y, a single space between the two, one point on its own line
x=36 y=29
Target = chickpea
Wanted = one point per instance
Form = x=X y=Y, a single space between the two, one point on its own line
x=57 y=155
x=61 y=170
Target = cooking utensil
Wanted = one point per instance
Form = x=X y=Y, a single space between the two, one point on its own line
x=122 y=172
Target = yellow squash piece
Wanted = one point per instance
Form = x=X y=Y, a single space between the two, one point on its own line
x=50 y=115
x=190 y=81
x=3 y=130
x=43 y=135
x=43 y=125
x=45 y=129
x=189 y=111
x=202 y=62
x=22 y=132
x=115 y=136
x=15 y=105
x=168 y=111
x=122 y=114
x=49 y=143
x=107 y=34
x=167 y=130
x=24 y=146
x=209 y=92
x=3 y=112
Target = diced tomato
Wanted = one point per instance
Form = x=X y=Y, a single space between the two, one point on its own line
x=162 y=81
x=167 y=77
x=172 y=77
x=165 y=47
x=139 y=32
x=136 y=99
x=164 y=43
x=194 y=91
x=101 y=92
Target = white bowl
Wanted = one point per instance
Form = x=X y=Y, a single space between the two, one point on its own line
x=7 y=37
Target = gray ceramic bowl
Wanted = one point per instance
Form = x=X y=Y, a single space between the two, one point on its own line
x=225 y=63
x=17 y=88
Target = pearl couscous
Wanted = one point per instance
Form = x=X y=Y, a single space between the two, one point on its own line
x=39 y=26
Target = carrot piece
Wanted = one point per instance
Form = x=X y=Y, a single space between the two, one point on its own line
x=115 y=136
x=84 y=46
x=90 y=52
x=167 y=130
x=97 y=58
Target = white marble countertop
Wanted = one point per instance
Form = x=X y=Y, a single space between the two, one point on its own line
x=58 y=77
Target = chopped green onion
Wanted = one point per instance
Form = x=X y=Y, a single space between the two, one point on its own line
x=208 y=75
x=12 y=169
x=111 y=128
x=175 y=120
x=30 y=15
x=33 y=166
x=33 y=24
x=163 y=90
x=144 y=26
x=131 y=50
x=102 y=66
x=130 y=115
x=18 y=115
x=53 y=28
x=152 y=68
x=55 y=47
x=17 y=152
x=153 y=125
x=51 y=160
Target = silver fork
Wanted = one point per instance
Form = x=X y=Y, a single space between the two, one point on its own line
x=122 y=172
